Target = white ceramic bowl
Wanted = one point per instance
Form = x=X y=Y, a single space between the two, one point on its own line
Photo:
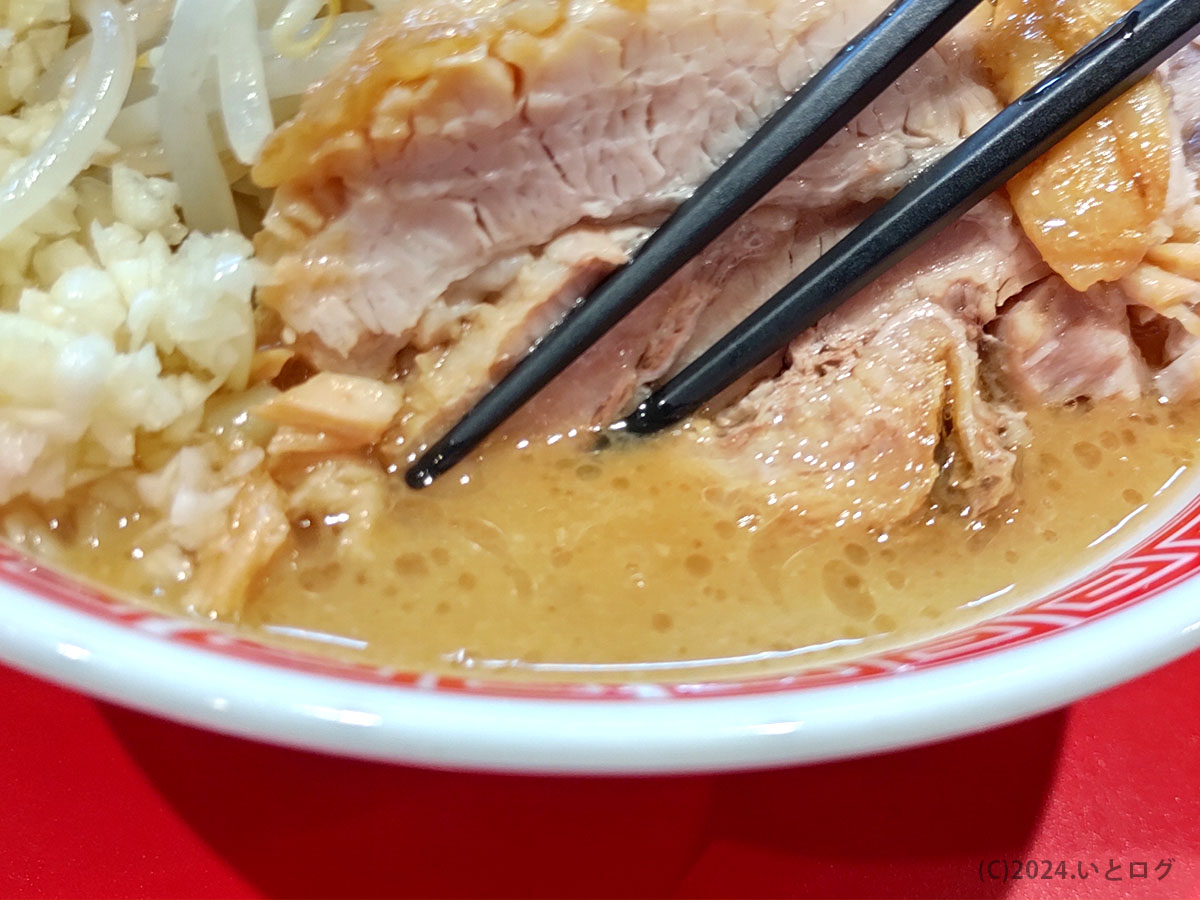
x=1136 y=611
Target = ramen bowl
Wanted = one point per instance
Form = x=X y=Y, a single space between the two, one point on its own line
x=1133 y=611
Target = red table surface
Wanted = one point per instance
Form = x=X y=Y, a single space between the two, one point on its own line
x=97 y=801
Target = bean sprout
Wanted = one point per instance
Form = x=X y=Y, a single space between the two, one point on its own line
x=285 y=78
x=299 y=16
x=150 y=19
x=242 y=82
x=191 y=152
x=100 y=91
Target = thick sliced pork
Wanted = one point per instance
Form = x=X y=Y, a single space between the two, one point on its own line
x=853 y=426
x=464 y=132
x=1138 y=333
x=479 y=165
x=1058 y=346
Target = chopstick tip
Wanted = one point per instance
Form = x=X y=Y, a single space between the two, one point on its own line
x=643 y=420
x=421 y=475
x=660 y=410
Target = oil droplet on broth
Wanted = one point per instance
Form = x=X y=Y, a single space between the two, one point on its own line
x=1088 y=454
x=846 y=591
x=857 y=554
x=725 y=530
x=410 y=565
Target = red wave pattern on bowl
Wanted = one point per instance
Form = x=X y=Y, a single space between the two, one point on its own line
x=1170 y=556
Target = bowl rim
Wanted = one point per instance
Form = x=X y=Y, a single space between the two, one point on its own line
x=416 y=725
x=172 y=668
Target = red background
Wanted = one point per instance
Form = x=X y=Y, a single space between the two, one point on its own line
x=97 y=801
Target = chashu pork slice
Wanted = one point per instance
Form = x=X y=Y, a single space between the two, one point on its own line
x=439 y=243
x=883 y=397
x=477 y=166
x=1138 y=330
x=465 y=136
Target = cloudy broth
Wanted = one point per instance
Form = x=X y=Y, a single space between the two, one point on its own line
x=554 y=562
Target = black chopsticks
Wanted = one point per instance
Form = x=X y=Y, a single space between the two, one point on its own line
x=1101 y=71
x=826 y=103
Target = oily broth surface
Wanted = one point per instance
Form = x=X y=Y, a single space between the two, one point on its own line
x=551 y=562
